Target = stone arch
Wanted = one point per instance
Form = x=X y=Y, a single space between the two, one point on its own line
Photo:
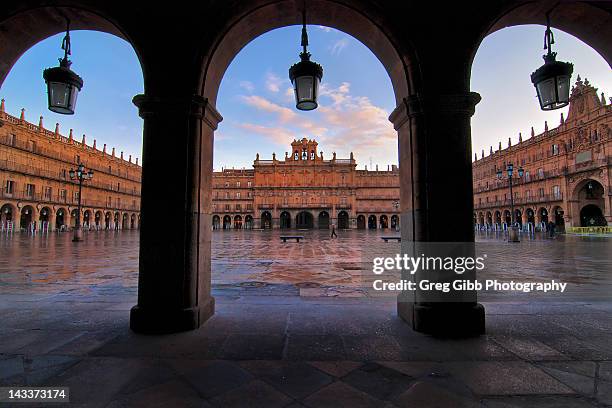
x=285 y=220
x=227 y=222
x=395 y=221
x=238 y=221
x=98 y=218
x=343 y=220
x=401 y=66
x=132 y=221
x=266 y=220
x=108 y=220
x=361 y=221
x=61 y=216
x=49 y=21
x=384 y=221
x=543 y=215
x=124 y=220
x=323 y=220
x=584 y=20
x=216 y=222
x=372 y=222
x=304 y=220
x=248 y=222
x=27 y=217
x=86 y=218
x=7 y=214
x=591 y=215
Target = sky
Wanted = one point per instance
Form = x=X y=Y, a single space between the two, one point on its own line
x=257 y=102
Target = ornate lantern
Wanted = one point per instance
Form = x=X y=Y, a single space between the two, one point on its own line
x=552 y=80
x=305 y=75
x=63 y=84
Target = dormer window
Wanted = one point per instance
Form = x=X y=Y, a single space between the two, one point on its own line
x=304 y=154
x=312 y=155
x=296 y=155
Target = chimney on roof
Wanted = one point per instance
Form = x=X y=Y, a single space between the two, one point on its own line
x=104 y=149
x=2 y=105
x=475 y=157
x=57 y=129
x=130 y=159
x=113 y=152
x=137 y=161
x=70 y=136
x=94 y=145
x=22 y=117
x=546 y=126
x=482 y=154
x=83 y=140
x=603 y=102
x=509 y=142
x=491 y=150
x=532 y=132
x=562 y=118
x=499 y=147
x=520 y=137
x=40 y=123
x=121 y=155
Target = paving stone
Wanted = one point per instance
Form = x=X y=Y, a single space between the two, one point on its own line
x=593 y=348
x=427 y=395
x=604 y=392
x=579 y=375
x=255 y=394
x=314 y=347
x=173 y=393
x=336 y=368
x=247 y=347
x=529 y=348
x=505 y=378
x=296 y=379
x=370 y=348
x=379 y=381
x=212 y=378
x=538 y=402
x=605 y=370
x=341 y=395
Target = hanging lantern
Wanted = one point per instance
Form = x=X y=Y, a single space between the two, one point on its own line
x=305 y=75
x=63 y=84
x=552 y=80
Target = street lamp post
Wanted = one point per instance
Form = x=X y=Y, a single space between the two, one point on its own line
x=513 y=231
x=80 y=175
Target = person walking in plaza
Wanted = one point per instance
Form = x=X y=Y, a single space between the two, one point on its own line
x=333 y=231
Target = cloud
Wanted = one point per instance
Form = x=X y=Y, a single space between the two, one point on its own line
x=337 y=47
x=343 y=122
x=275 y=134
x=247 y=85
x=263 y=104
x=273 y=82
x=326 y=29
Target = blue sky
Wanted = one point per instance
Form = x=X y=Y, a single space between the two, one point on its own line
x=257 y=104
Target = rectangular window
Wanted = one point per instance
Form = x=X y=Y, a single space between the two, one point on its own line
x=76 y=196
x=10 y=186
x=12 y=139
x=237 y=184
x=227 y=207
x=63 y=195
x=541 y=192
x=249 y=194
x=250 y=184
x=48 y=193
x=227 y=195
x=238 y=207
x=249 y=207
x=110 y=201
x=63 y=173
x=555 y=149
x=238 y=195
x=556 y=190
x=540 y=172
x=29 y=190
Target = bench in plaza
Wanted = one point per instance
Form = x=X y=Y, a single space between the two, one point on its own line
x=297 y=238
x=386 y=239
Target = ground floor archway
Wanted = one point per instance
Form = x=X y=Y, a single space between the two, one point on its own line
x=592 y=216
x=384 y=222
x=323 y=220
x=285 y=220
x=395 y=222
x=27 y=214
x=216 y=222
x=248 y=222
x=238 y=222
x=227 y=222
x=372 y=222
x=98 y=218
x=266 y=220
x=361 y=222
x=304 y=220
x=343 y=220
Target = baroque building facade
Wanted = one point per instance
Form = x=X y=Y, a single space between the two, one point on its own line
x=37 y=193
x=567 y=172
x=304 y=190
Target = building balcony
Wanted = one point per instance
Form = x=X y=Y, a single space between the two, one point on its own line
x=521 y=201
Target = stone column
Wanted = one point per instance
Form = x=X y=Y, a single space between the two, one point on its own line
x=174 y=266
x=435 y=163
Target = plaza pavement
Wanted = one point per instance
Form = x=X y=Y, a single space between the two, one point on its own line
x=64 y=312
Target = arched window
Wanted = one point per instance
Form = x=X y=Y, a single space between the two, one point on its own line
x=296 y=155
x=304 y=154
x=312 y=155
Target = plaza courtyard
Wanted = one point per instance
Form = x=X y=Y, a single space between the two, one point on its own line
x=295 y=327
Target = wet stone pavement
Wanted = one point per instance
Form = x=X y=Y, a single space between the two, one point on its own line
x=292 y=328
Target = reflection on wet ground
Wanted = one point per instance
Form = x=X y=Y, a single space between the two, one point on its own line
x=258 y=262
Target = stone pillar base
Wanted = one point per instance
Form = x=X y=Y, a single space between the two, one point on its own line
x=444 y=319
x=165 y=321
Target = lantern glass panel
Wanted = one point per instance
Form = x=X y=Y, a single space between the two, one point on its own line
x=546 y=92
x=306 y=89
x=563 y=87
